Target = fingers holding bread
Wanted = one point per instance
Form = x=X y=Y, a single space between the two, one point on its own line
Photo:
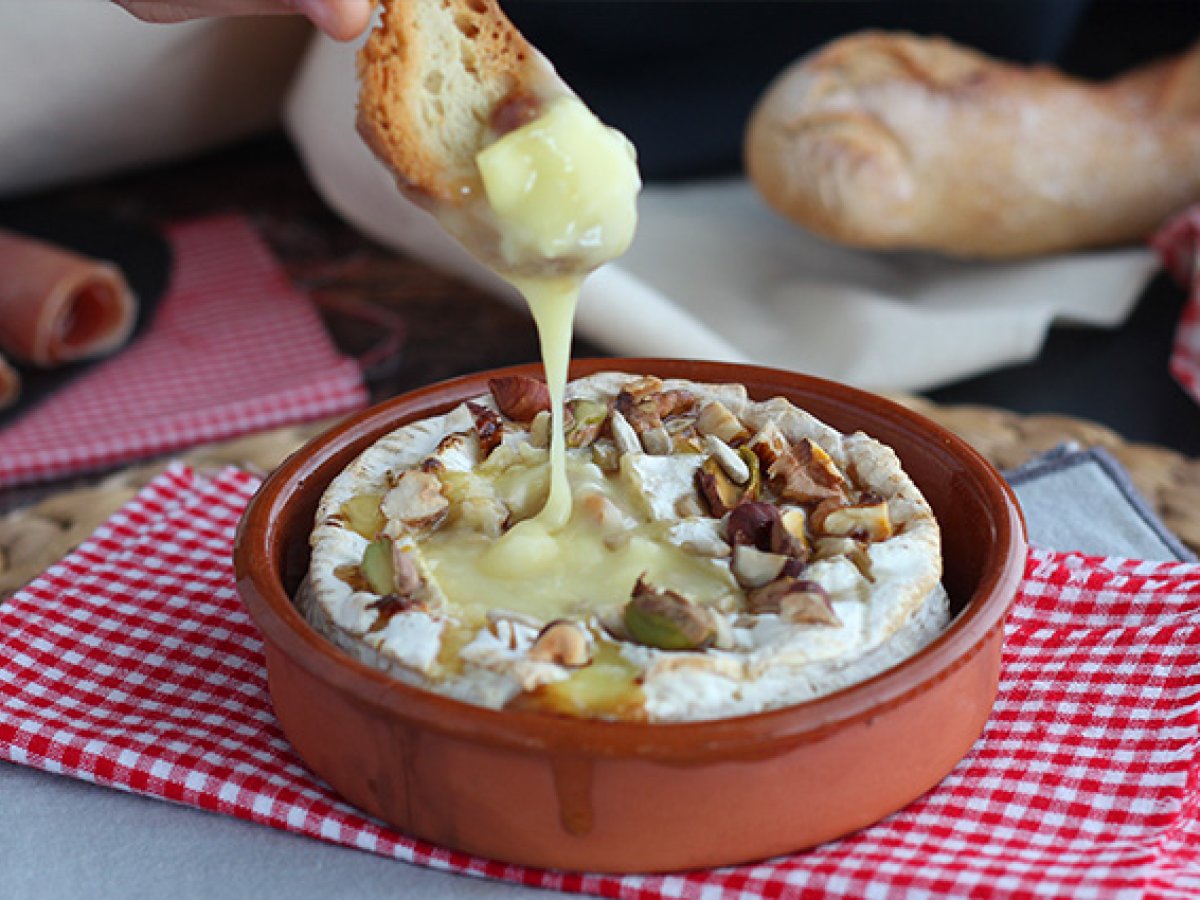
x=897 y=141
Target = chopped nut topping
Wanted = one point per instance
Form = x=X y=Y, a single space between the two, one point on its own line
x=666 y=620
x=416 y=501
x=854 y=551
x=584 y=421
x=605 y=455
x=718 y=490
x=800 y=602
x=804 y=473
x=752 y=524
x=716 y=420
x=730 y=460
x=787 y=535
x=539 y=429
x=519 y=397
x=489 y=427
x=868 y=521
x=647 y=411
x=657 y=441
x=754 y=568
x=563 y=643
x=624 y=436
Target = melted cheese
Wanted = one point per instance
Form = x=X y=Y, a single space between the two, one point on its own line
x=563 y=191
x=561 y=188
x=588 y=566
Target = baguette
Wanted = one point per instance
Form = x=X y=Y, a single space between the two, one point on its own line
x=432 y=76
x=896 y=141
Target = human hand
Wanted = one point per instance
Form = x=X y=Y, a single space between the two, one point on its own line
x=340 y=19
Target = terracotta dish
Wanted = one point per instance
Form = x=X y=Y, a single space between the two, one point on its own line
x=623 y=797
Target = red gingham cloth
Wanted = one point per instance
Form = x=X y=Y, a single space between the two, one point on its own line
x=132 y=664
x=1178 y=246
x=233 y=348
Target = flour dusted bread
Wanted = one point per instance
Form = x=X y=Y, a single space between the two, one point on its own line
x=896 y=141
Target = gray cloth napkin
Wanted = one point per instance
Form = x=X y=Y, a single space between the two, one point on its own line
x=61 y=838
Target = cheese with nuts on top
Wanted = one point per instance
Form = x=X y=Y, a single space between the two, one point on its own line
x=722 y=556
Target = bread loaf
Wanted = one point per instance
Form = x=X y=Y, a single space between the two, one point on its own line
x=896 y=141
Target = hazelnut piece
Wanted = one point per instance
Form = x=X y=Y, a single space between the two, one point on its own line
x=563 y=643
x=519 y=397
x=798 y=601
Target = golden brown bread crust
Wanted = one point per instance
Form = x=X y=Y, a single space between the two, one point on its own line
x=431 y=76
x=895 y=141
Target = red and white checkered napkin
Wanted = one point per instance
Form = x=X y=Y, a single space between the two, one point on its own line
x=233 y=348
x=1178 y=246
x=132 y=664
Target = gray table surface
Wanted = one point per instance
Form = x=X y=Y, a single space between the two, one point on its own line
x=61 y=838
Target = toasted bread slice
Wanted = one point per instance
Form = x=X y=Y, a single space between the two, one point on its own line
x=433 y=76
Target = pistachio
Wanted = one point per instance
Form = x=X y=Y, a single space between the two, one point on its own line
x=377 y=566
x=625 y=438
x=800 y=602
x=519 y=397
x=416 y=501
x=362 y=515
x=754 y=568
x=717 y=421
x=585 y=420
x=729 y=459
x=562 y=642
x=752 y=524
x=488 y=425
x=666 y=620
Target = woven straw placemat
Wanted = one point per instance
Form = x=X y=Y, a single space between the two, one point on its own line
x=34 y=537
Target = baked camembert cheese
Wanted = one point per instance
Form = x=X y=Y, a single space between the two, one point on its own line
x=722 y=556
x=626 y=548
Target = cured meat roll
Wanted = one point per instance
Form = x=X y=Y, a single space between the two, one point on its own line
x=57 y=306
x=10 y=384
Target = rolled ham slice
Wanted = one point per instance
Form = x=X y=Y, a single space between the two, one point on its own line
x=10 y=384
x=57 y=306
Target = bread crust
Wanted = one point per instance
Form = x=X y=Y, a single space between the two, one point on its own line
x=896 y=141
x=431 y=76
